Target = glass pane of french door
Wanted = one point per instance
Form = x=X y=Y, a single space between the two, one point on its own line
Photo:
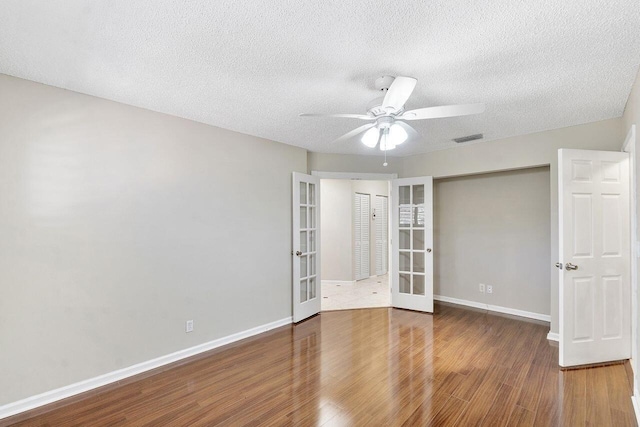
x=308 y=209
x=411 y=266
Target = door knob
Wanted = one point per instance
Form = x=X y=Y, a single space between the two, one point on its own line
x=570 y=266
x=559 y=265
x=428 y=249
x=298 y=253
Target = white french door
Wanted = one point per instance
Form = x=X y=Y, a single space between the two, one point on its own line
x=361 y=235
x=412 y=243
x=595 y=291
x=306 y=246
x=382 y=234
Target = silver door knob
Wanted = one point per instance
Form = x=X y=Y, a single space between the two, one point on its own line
x=570 y=266
x=298 y=253
x=559 y=265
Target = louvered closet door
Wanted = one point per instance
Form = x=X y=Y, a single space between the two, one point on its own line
x=361 y=244
x=382 y=234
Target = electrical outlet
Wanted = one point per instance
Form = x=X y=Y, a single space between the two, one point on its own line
x=489 y=289
x=189 y=326
x=481 y=287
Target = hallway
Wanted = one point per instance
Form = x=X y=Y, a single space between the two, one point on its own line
x=367 y=293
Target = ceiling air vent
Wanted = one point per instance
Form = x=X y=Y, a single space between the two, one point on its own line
x=469 y=138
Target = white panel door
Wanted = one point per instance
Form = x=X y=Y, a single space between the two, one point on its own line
x=361 y=235
x=412 y=243
x=306 y=246
x=382 y=234
x=594 y=212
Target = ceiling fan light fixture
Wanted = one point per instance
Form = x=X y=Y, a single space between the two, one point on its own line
x=386 y=141
x=397 y=134
x=386 y=145
x=370 y=137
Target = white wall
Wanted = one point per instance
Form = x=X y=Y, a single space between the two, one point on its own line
x=494 y=229
x=336 y=237
x=337 y=215
x=118 y=224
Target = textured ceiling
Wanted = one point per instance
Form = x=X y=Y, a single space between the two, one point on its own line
x=253 y=66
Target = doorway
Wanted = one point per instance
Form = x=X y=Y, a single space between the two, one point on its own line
x=355 y=244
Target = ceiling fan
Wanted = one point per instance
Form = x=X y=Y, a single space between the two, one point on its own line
x=387 y=115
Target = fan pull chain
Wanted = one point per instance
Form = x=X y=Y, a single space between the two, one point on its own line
x=385 y=159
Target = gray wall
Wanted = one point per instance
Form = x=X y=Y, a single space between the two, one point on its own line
x=526 y=151
x=118 y=224
x=353 y=163
x=494 y=229
x=337 y=213
x=536 y=149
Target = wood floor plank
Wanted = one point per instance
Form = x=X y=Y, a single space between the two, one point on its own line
x=483 y=398
x=550 y=403
x=367 y=367
x=520 y=417
x=574 y=410
x=617 y=391
x=450 y=412
x=502 y=407
x=597 y=404
x=530 y=394
x=622 y=418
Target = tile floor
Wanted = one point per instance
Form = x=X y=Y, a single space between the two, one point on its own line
x=371 y=292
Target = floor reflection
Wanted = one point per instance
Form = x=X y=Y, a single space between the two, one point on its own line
x=373 y=367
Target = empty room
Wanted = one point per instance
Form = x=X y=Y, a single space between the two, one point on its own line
x=319 y=214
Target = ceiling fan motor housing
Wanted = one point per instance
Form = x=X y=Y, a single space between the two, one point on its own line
x=384 y=122
x=384 y=83
x=374 y=108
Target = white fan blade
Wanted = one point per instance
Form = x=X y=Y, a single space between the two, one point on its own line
x=442 y=111
x=413 y=135
x=398 y=93
x=346 y=116
x=354 y=132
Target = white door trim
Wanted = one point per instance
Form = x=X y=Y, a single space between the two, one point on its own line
x=629 y=146
x=381 y=234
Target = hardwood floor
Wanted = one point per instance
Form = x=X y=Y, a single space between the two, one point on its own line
x=373 y=367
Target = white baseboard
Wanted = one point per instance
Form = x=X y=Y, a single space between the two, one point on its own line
x=338 y=282
x=552 y=336
x=636 y=403
x=111 y=377
x=495 y=308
